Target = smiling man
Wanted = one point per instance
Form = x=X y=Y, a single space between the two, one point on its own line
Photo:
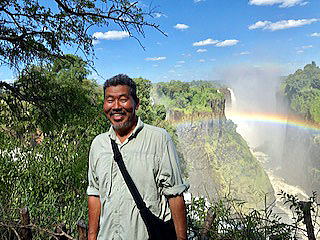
x=152 y=162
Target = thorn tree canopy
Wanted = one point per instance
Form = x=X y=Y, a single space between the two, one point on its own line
x=32 y=30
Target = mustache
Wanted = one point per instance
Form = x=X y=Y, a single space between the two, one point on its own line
x=117 y=112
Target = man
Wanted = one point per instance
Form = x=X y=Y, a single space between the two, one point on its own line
x=151 y=160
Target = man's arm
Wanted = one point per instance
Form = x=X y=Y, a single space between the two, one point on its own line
x=94 y=207
x=178 y=211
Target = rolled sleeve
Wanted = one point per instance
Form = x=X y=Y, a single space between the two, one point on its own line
x=170 y=173
x=93 y=186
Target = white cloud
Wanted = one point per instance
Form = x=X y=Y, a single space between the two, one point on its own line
x=291 y=23
x=186 y=54
x=315 y=34
x=201 y=50
x=282 y=3
x=227 y=43
x=202 y=60
x=259 y=24
x=197 y=1
x=155 y=65
x=245 y=53
x=308 y=46
x=95 y=41
x=178 y=65
x=155 y=58
x=158 y=15
x=110 y=35
x=181 y=62
x=206 y=42
x=284 y=24
x=303 y=48
x=181 y=26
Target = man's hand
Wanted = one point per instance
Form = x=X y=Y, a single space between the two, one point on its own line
x=178 y=211
x=94 y=207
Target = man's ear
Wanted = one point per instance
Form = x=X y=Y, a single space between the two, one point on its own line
x=138 y=104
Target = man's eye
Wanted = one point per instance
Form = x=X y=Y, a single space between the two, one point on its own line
x=109 y=100
x=123 y=100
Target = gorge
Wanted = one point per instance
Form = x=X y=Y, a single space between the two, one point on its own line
x=247 y=145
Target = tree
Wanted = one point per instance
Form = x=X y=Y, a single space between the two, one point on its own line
x=32 y=31
x=148 y=111
x=50 y=96
x=303 y=90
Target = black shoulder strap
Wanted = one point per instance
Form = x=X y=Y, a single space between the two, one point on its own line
x=127 y=178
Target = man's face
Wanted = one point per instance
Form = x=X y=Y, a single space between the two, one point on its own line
x=120 y=107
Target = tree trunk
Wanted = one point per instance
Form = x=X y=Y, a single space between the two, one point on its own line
x=82 y=230
x=306 y=209
x=207 y=225
x=25 y=232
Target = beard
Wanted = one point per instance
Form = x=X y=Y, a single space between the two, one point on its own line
x=126 y=125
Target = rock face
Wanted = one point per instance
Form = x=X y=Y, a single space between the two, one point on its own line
x=300 y=158
x=218 y=161
x=300 y=162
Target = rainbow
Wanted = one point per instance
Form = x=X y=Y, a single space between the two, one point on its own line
x=273 y=119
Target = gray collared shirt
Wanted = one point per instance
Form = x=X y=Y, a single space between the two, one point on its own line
x=152 y=161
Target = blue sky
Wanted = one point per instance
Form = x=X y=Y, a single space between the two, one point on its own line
x=205 y=36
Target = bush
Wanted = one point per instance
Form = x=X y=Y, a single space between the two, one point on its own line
x=230 y=221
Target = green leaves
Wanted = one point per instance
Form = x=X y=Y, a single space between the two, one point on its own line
x=194 y=96
x=50 y=96
x=230 y=223
x=303 y=91
x=148 y=111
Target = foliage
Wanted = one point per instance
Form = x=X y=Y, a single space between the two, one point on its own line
x=150 y=112
x=50 y=176
x=303 y=91
x=297 y=208
x=31 y=30
x=229 y=222
x=50 y=96
x=187 y=96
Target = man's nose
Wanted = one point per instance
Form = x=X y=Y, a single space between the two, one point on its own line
x=116 y=104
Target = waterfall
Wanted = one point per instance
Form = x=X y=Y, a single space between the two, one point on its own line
x=233 y=97
x=231 y=104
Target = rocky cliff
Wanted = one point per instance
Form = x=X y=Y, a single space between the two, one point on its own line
x=300 y=161
x=300 y=156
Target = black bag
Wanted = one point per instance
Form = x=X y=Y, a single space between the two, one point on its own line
x=157 y=228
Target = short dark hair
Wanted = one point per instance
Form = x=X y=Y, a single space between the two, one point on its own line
x=122 y=79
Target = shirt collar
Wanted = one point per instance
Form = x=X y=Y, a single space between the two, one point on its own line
x=136 y=130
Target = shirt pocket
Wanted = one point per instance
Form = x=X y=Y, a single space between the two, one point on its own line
x=143 y=169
